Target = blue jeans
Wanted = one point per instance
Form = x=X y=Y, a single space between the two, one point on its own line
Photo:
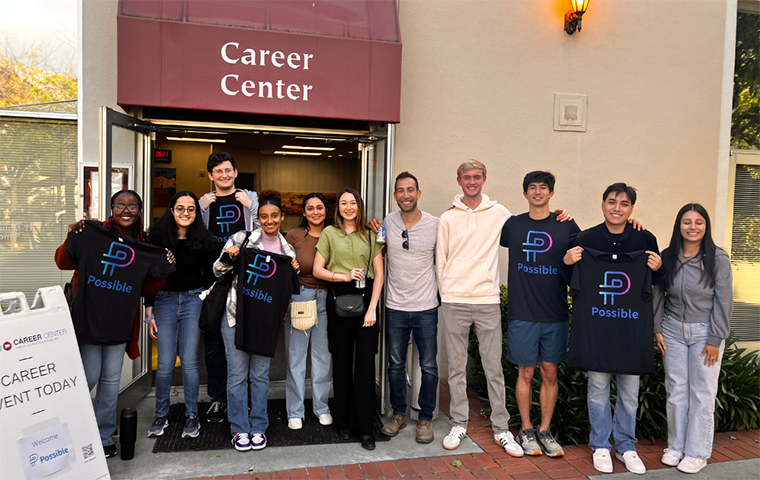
x=102 y=366
x=623 y=425
x=247 y=373
x=296 y=346
x=423 y=326
x=177 y=316
x=691 y=387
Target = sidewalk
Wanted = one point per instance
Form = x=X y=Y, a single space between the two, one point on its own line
x=735 y=456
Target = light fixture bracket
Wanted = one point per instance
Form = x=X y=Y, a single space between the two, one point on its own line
x=573 y=21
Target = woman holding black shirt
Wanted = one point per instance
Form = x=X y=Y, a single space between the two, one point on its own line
x=173 y=314
x=102 y=357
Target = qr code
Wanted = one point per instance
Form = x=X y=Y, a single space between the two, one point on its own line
x=87 y=451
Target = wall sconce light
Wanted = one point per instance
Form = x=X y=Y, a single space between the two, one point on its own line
x=573 y=17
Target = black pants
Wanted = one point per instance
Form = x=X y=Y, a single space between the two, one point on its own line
x=353 y=348
x=216 y=366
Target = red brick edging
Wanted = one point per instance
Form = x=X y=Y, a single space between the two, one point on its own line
x=496 y=464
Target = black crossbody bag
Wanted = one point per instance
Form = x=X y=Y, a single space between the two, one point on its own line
x=352 y=304
x=215 y=303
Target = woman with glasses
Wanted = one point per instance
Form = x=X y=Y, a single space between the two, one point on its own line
x=173 y=315
x=304 y=240
x=102 y=360
x=347 y=255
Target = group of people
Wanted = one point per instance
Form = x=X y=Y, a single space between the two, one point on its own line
x=682 y=300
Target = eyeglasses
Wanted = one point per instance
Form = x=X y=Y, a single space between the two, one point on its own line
x=120 y=207
x=180 y=210
x=405 y=236
x=219 y=171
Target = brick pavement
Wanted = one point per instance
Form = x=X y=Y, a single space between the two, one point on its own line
x=496 y=464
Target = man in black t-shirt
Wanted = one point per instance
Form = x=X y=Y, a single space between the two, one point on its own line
x=537 y=306
x=225 y=211
x=615 y=237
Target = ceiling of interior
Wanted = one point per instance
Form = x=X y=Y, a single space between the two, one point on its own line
x=269 y=142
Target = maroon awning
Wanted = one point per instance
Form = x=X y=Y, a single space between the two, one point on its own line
x=330 y=59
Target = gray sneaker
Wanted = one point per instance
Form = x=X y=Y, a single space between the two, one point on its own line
x=158 y=427
x=192 y=427
x=550 y=446
x=527 y=440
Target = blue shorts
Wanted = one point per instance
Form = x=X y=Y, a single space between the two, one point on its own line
x=529 y=342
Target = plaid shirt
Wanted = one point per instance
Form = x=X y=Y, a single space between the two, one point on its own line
x=220 y=267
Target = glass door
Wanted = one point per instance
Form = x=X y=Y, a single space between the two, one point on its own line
x=125 y=143
x=377 y=169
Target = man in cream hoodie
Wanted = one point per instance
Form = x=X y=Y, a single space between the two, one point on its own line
x=467 y=260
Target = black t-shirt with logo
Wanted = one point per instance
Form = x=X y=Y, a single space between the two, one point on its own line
x=537 y=289
x=112 y=269
x=266 y=282
x=613 y=327
x=226 y=217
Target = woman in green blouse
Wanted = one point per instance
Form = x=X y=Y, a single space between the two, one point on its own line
x=344 y=251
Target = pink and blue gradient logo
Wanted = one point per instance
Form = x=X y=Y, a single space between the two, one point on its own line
x=615 y=283
x=119 y=255
x=262 y=267
x=228 y=214
x=537 y=242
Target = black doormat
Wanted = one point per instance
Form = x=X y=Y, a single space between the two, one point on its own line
x=217 y=436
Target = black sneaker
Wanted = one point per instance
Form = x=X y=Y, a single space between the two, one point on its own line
x=217 y=412
x=192 y=427
x=110 y=450
x=158 y=427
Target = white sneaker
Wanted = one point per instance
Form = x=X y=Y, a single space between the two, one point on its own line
x=671 y=458
x=325 y=419
x=506 y=440
x=452 y=440
x=602 y=460
x=692 y=465
x=295 y=423
x=632 y=462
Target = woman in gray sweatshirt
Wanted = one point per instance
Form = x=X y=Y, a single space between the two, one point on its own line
x=690 y=325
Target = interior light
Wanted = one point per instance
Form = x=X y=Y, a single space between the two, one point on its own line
x=574 y=16
x=203 y=140
x=296 y=147
x=309 y=154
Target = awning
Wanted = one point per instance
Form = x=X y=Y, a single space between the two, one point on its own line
x=329 y=59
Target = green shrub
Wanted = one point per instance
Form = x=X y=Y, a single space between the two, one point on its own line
x=736 y=406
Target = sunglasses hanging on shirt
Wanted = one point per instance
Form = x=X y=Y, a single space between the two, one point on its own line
x=405 y=236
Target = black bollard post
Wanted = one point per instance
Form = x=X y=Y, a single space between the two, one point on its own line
x=128 y=430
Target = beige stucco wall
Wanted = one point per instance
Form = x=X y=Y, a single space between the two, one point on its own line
x=479 y=80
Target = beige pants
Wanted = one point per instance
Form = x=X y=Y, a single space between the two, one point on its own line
x=457 y=318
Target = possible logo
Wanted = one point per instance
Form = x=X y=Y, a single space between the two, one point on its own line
x=228 y=214
x=33 y=459
x=262 y=267
x=537 y=242
x=7 y=346
x=617 y=283
x=121 y=256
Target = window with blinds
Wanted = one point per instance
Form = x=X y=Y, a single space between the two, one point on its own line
x=745 y=253
x=38 y=200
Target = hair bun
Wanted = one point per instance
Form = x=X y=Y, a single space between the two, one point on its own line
x=265 y=195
